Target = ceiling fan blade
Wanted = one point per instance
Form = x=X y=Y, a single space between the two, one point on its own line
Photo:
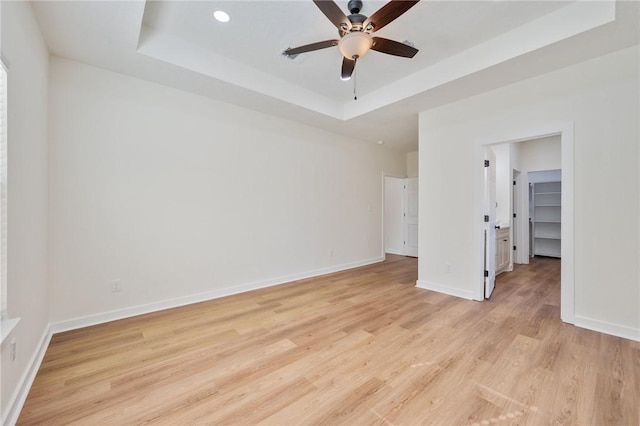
x=391 y=47
x=389 y=12
x=310 y=47
x=348 y=65
x=332 y=11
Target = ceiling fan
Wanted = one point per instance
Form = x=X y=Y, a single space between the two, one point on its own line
x=356 y=32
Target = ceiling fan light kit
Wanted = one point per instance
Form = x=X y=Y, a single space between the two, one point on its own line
x=355 y=45
x=355 y=32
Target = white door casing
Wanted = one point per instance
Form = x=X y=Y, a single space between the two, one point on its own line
x=515 y=218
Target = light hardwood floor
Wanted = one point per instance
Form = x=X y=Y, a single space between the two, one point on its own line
x=358 y=347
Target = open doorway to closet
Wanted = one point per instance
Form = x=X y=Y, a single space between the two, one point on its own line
x=527 y=200
x=534 y=205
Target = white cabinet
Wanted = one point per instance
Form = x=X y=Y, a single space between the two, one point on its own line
x=502 y=250
x=546 y=218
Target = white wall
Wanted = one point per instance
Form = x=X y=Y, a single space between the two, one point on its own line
x=545 y=176
x=601 y=100
x=527 y=156
x=514 y=156
x=541 y=154
x=503 y=183
x=412 y=164
x=393 y=214
x=27 y=57
x=178 y=195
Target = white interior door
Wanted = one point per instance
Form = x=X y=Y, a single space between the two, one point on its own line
x=411 y=217
x=490 y=222
x=393 y=215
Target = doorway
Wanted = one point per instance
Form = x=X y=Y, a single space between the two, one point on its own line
x=400 y=223
x=393 y=214
x=565 y=132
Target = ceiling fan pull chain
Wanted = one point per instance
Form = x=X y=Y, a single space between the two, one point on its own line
x=355 y=76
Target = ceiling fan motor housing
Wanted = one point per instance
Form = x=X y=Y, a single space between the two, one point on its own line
x=356 y=18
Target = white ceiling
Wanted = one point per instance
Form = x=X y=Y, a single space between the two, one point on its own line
x=466 y=47
x=261 y=30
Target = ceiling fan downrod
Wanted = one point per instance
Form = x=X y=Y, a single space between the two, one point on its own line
x=354 y=6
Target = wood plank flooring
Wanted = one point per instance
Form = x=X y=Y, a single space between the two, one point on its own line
x=359 y=347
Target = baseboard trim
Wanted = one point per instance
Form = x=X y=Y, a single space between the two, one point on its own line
x=24 y=385
x=89 y=320
x=441 y=288
x=608 y=328
x=394 y=251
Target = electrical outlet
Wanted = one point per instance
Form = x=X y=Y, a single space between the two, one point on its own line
x=13 y=346
x=330 y=253
x=116 y=286
x=447 y=268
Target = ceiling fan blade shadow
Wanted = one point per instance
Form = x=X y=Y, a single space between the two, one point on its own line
x=389 y=12
x=392 y=47
x=348 y=65
x=332 y=11
x=310 y=47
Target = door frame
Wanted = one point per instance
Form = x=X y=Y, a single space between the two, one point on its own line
x=567 y=274
x=518 y=236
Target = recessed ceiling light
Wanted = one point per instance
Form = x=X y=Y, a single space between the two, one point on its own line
x=221 y=16
x=380 y=142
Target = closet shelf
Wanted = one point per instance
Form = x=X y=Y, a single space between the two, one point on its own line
x=546 y=220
